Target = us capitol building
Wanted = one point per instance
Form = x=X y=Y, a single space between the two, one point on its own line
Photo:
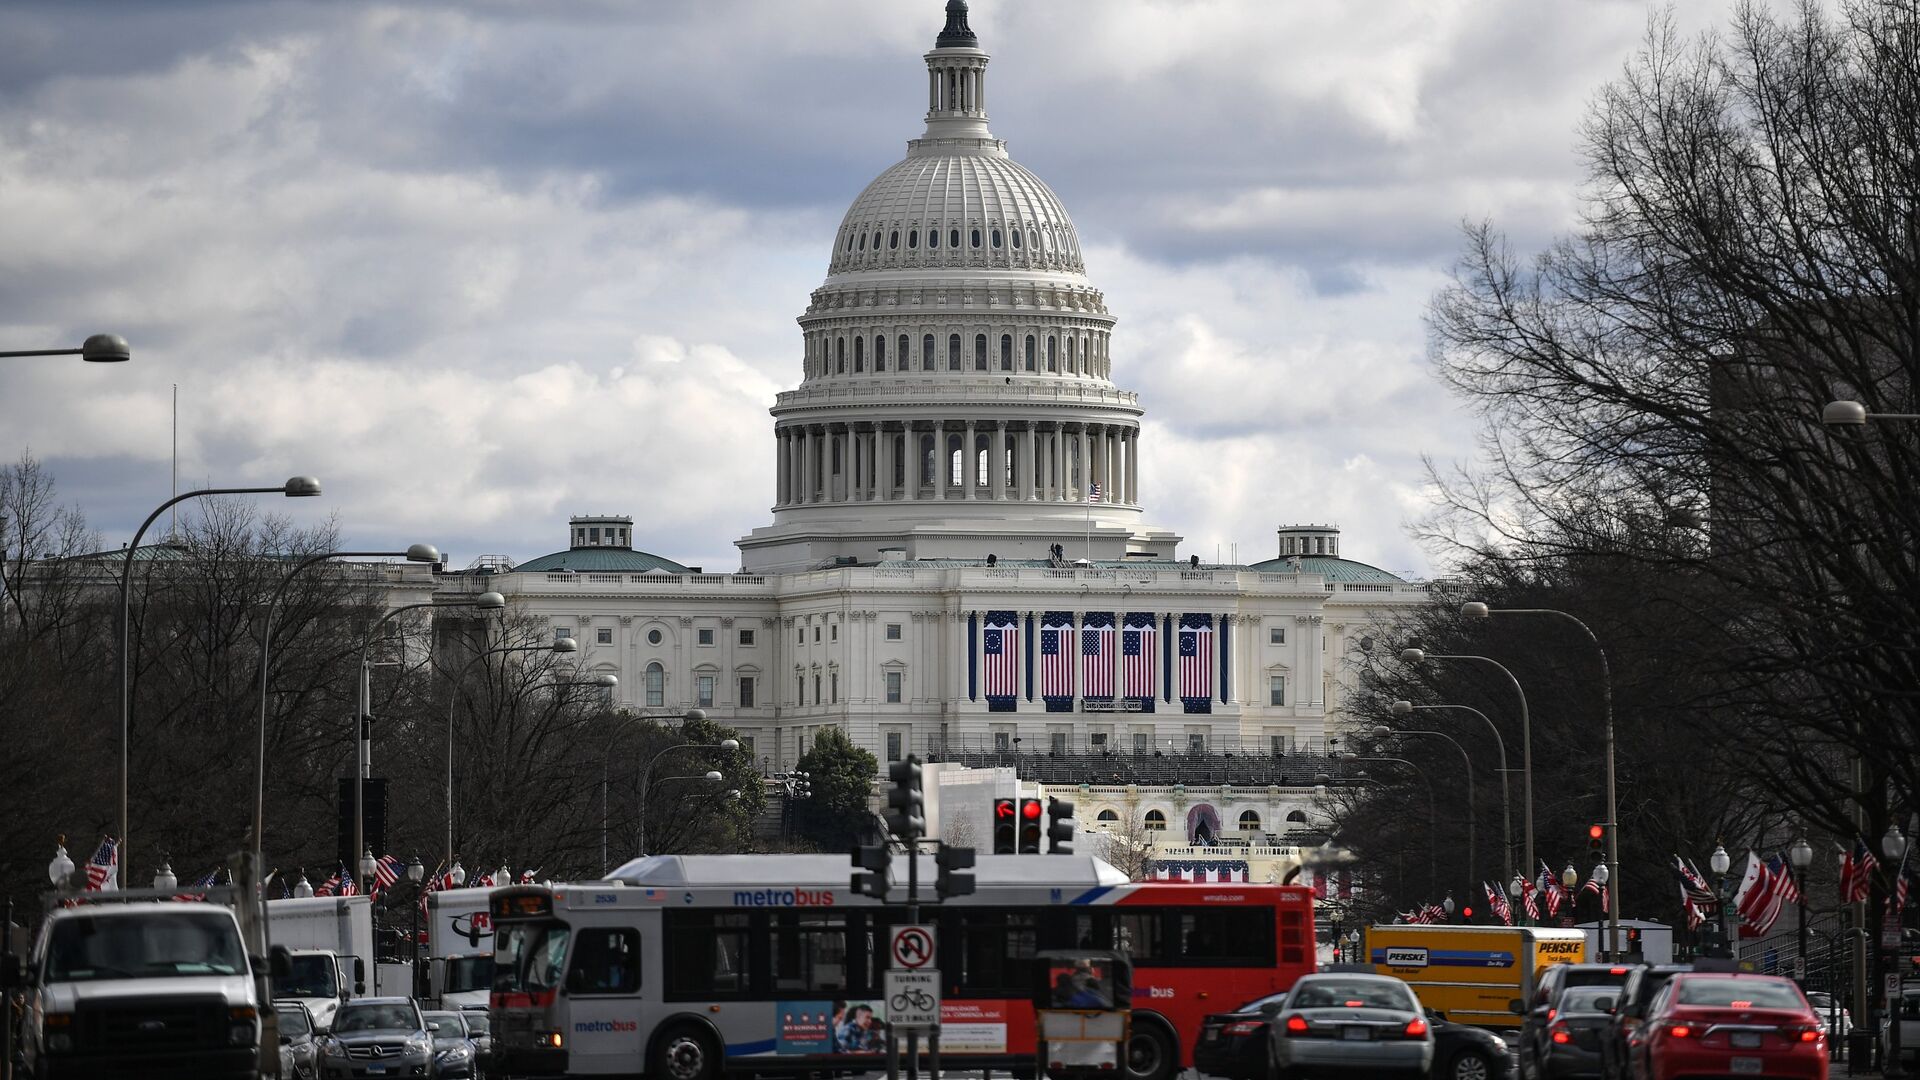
x=958 y=564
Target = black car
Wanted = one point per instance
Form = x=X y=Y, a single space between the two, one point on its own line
x=1629 y=1012
x=1234 y=1045
x=1542 y=1006
x=1571 y=1050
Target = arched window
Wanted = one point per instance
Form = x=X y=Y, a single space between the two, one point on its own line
x=1108 y=816
x=1070 y=366
x=880 y=353
x=996 y=238
x=656 y=685
x=953 y=238
x=955 y=463
x=913 y=239
x=876 y=239
x=926 y=352
x=1249 y=821
x=976 y=238
x=849 y=241
x=979 y=352
x=1032 y=240
x=893 y=240
x=840 y=356
x=1297 y=817
x=953 y=352
x=1016 y=239
x=1006 y=352
x=1053 y=353
x=1156 y=821
x=1030 y=351
x=859 y=354
x=903 y=359
x=933 y=239
x=863 y=241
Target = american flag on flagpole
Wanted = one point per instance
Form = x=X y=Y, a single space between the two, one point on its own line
x=327 y=887
x=103 y=870
x=349 y=885
x=1093 y=492
x=1529 y=900
x=1001 y=644
x=1693 y=886
x=1056 y=661
x=386 y=871
x=1196 y=661
x=1897 y=895
x=1695 y=916
x=198 y=890
x=1096 y=653
x=1497 y=900
x=1856 y=873
x=1137 y=647
x=1789 y=886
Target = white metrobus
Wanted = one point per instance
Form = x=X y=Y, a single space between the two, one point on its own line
x=682 y=967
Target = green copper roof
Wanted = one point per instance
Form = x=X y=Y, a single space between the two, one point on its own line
x=1330 y=568
x=606 y=560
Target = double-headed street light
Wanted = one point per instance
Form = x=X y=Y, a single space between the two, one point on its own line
x=425 y=553
x=1408 y=708
x=558 y=646
x=295 y=488
x=1382 y=731
x=97 y=349
x=725 y=745
x=1433 y=814
x=1477 y=610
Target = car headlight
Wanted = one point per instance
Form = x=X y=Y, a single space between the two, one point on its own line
x=457 y=1053
x=333 y=1048
x=419 y=1046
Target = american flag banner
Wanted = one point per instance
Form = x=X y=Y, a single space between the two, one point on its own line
x=1856 y=873
x=329 y=886
x=480 y=881
x=103 y=870
x=1897 y=894
x=1497 y=900
x=1056 y=655
x=1138 y=641
x=1196 y=658
x=1000 y=647
x=386 y=871
x=1319 y=885
x=1529 y=900
x=1096 y=655
x=1551 y=888
x=1789 y=885
x=1693 y=886
x=349 y=885
x=198 y=890
x=1695 y=916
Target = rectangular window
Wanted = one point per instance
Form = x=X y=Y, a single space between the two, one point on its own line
x=705 y=636
x=816 y=635
x=562 y=632
x=746 y=691
x=1276 y=635
x=894 y=681
x=800 y=637
x=1056 y=741
x=1002 y=742
x=808 y=953
x=606 y=960
x=1277 y=745
x=1142 y=934
x=817 y=699
x=996 y=952
x=834 y=681
x=893 y=631
x=894 y=752
x=1224 y=937
x=705 y=685
x=1142 y=744
x=835 y=635
x=1196 y=743
x=799 y=698
x=707 y=954
x=746 y=637
x=746 y=743
x=603 y=635
x=1098 y=742
x=1276 y=691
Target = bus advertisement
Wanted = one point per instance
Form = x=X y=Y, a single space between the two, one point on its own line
x=684 y=966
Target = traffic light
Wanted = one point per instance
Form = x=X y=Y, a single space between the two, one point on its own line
x=1596 y=839
x=955 y=878
x=1029 y=826
x=907 y=813
x=876 y=859
x=1004 y=826
x=1059 y=827
x=1466 y=913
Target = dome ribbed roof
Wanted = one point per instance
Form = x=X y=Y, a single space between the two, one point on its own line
x=611 y=560
x=1332 y=569
x=972 y=197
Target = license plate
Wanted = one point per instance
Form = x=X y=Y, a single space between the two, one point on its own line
x=1746 y=1040
x=1356 y=1034
x=1745 y=1066
x=376 y=1070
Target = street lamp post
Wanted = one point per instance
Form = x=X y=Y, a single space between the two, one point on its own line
x=416 y=873
x=640 y=812
x=1407 y=708
x=1720 y=862
x=557 y=646
x=1477 y=610
x=363 y=744
x=1799 y=857
x=415 y=553
x=1894 y=846
x=1381 y=731
x=1433 y=817
x=1415 y=656
x=97 y=349
x=295 y=488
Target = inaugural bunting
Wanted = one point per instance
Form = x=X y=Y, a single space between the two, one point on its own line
x=1000 y=648
x=1138 y=641
x=1096 y=654
x=1056 y=660
x=1196 y=663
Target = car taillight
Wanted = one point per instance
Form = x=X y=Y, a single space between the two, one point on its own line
x=1680 y=1031
x=1551 y=1013
x=1416 y=1028
x=1296 y=1025
x=1808 y=1034
x=1244 y=1027
x=1616 y=971
x=1561 y=1036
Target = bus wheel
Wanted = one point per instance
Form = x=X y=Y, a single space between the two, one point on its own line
x=1150 y=1054
x=686 y=1053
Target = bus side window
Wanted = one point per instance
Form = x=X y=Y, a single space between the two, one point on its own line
x=1293 y=937
x=1229 y=937
x=605 y=961
x=809 y=951
x=1142 y=936
x=707 y=954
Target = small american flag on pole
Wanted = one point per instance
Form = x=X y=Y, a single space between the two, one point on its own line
x=1093 y=492
x=1000 y=644
x=1096 y=653
x=1497 y=900
x=103 y=870
x=1056 y=661
x=1856 y=873
x=386 y=872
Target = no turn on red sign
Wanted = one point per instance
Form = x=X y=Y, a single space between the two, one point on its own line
x=912 y=947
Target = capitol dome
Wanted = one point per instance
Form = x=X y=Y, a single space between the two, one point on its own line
x=956 y=396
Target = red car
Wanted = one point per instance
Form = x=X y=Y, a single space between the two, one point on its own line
x=1728 y=1024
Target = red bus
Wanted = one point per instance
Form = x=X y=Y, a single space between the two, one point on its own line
x=682 y=967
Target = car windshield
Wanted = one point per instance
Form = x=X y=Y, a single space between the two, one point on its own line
x=308 y=976
x=376 y=1018
x=478 y=1022
x=1584 y=998
x=293 y=1020
x=445 y=1026
x=1740 y=993
x=465 y=973
x=149 y=945
x=1351 y=994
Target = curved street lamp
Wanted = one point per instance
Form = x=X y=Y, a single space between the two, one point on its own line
x=640 y=816
x=558 y=645
x=1433 y=816
x=298 y=487
x=97 y=349
x=426 y=553
x=1853 y=413
x=1407 y=708
x=1382 y=731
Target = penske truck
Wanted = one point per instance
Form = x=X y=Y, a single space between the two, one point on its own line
x=1472 y=974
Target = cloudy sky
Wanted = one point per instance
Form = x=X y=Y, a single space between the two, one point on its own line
x=480 y=265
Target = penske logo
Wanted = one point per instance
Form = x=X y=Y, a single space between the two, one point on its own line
x=1406 y=957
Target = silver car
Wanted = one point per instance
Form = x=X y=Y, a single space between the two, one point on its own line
x=299 y=1045
x=1367 y=1026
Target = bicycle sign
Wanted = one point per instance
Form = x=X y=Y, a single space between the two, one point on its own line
x=913 y=998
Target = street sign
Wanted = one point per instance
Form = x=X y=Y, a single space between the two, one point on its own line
x=913 y=998
x=1890 y=937
x=912 y=947
x=1893 y=985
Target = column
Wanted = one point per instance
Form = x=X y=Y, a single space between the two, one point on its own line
x=1024 y=480
x=1109 y=463
x=783 y=483
x=997 y=460
x=970 y=463
x=1083 y=454
x=809 y=447
x=856 y=476
x=941 y=461
x=933 y=91
x=883 y=481
x=1133 y=467
x=910 y=462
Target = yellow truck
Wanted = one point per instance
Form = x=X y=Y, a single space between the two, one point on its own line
x=1472 y=974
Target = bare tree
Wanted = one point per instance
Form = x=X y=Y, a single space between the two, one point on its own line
x=1126 y=845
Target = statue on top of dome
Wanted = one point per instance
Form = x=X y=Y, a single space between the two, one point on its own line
x=956 y=35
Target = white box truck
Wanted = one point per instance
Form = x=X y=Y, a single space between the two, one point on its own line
x=330 y=939
x=460 y=942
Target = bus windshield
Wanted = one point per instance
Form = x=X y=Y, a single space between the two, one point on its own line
x=466 y=973
x=529 y=957
x=308 y=976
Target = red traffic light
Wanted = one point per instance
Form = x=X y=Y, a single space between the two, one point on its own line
x=1595 y=832
x=1466 y=912
x=1030 y=808
x=1002 y=808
